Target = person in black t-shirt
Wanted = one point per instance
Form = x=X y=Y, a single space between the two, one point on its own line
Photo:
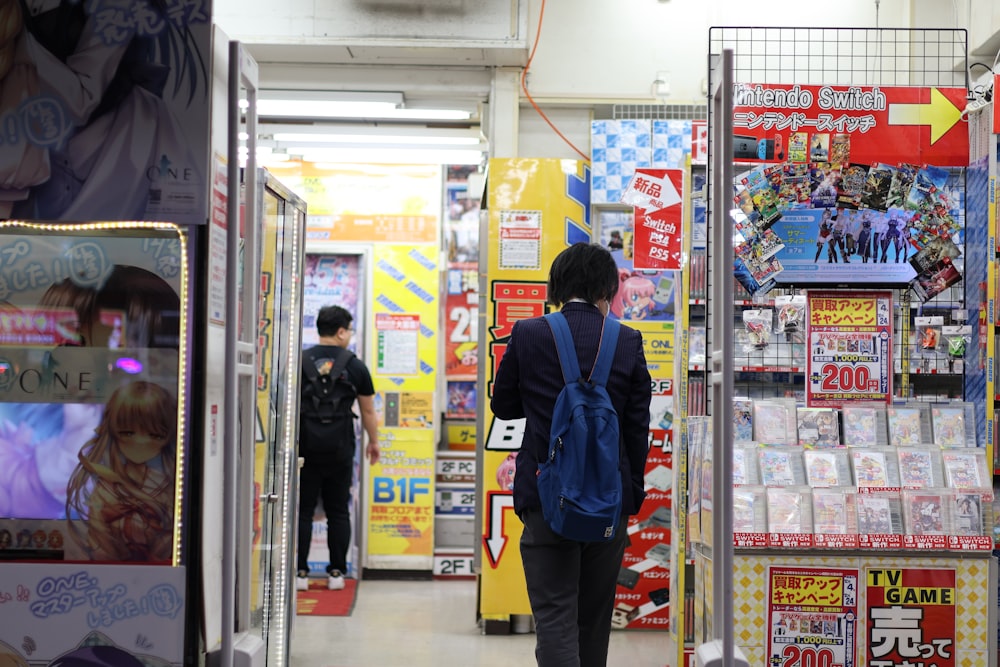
x=328 y=447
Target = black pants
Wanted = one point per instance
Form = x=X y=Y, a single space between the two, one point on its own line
x=571 y=587
x=330 y=481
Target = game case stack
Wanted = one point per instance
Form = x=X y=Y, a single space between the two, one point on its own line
x=750 y=516
x=742 y=419
x=875 y=467
x=865 y=425
x=789 y=517
x=699 y=436
x=698 y=274
x=696 y=396
x=818 y=428
x=966 y=469
x=828 y=468
x=834 y=524
x=774 y=421
x=781 y=466
x=879 y=519
x=954 y=424
x=910 y=424
x=972 y=520
x=745 y=470
x=927 y=518
x=920 y=467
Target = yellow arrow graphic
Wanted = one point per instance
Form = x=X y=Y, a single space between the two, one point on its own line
x=939 y=113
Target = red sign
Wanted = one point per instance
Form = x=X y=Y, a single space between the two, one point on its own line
x=863 y=124
x=911 y=617
x=460 y=320
x=657 y=195
x=849 y=338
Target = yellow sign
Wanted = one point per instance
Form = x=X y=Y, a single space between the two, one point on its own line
x=536 y=207
x=401 y=496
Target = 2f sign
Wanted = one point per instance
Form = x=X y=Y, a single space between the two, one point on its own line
x=403 y=490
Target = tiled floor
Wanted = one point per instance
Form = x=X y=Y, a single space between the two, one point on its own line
x=433 y=624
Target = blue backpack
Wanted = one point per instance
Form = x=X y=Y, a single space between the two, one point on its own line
x=580 y=483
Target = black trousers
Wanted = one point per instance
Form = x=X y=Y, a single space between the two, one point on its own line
x=571 y=587
x=330 y=481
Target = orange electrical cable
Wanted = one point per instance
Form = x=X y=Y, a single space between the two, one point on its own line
x=524 y=87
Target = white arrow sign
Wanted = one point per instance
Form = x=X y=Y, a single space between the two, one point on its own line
x=495 y=538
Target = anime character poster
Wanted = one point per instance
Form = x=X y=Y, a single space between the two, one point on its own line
x=105 y=108
x=74 y=615
x=642 y=295
x=331 y=280
x=89 y=394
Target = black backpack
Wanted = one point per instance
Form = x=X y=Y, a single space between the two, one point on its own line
x=327 y=397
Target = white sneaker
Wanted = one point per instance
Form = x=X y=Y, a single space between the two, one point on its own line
x=335 y=580
x=301 y=583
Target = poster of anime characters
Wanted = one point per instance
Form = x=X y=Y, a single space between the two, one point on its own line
x=642 y=295
x=105 y=106
x=89 y=393
x=331 y=280
x=74 y=615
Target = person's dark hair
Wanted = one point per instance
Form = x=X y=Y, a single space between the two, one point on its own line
x=583 y=271
x=331 y=319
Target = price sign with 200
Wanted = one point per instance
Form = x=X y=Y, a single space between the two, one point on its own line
x=807 y=656
x=835 y=378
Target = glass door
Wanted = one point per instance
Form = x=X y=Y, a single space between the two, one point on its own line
x=282 y=223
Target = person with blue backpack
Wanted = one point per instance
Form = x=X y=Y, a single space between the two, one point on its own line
x=579 y=379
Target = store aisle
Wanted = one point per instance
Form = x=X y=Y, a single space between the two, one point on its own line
x=430 y=624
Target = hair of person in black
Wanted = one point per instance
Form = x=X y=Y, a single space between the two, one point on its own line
x=331 y=319
x=583 y=271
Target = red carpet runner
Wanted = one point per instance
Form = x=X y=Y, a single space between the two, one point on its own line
x=318 y=601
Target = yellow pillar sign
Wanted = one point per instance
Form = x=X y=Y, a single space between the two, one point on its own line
x=537 y=208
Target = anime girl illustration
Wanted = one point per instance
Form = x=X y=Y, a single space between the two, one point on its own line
x=132 y=308
x=120 y=498
x=112 y=143
x=97 y=656
x=505 y=472
x=9 y=656
x=634 y=300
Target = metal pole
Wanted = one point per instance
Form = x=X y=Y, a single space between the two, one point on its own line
x=722 y=357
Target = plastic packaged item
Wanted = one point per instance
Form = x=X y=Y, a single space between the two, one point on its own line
x=758 y=326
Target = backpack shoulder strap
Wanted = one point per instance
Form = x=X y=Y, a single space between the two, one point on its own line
x=606 y=352
x=565 y=349
x=344 y=357
x=309 y=365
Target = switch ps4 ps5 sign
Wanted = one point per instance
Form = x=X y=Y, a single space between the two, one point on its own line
x=795 y=123
x=656 y=195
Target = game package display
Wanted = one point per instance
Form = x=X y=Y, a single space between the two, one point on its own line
x=865 y=424
x=828 y=467
x=920 y=467
x=910 y=424
x=774 y=422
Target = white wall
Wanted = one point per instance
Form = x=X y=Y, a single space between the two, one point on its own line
x=613 y=50
x=590 y=52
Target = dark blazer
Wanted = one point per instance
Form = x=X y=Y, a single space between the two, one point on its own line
x=529 y=379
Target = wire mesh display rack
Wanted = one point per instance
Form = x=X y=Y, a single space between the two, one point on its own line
x=841 y=57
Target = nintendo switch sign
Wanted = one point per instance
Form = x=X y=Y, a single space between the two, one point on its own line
x=778 y=123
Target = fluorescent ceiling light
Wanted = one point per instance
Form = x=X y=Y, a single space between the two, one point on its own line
x=389 y=156
x=346 y=104
x=321 y=139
